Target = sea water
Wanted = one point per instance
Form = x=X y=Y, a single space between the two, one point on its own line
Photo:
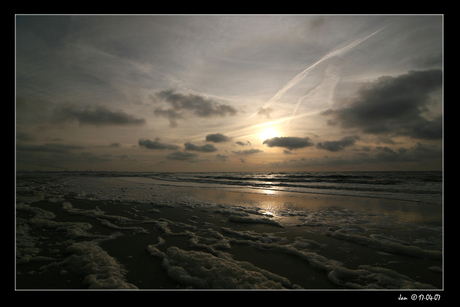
x=300 y=230
x=413 y=186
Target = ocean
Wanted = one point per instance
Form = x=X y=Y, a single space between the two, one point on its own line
x=423 y=187
x=277 y=230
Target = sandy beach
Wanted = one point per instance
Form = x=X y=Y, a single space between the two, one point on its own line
x=80 y=233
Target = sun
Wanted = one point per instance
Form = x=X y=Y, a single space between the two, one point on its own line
x=268 y=134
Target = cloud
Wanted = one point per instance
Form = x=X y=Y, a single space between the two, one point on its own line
x=222 y=158
x=182 y=156
x=97 y=116
x=416 y=153
x=24 y=137
x=217 y=138
x=338 y=145
x=48 y=147
x=170 y=114
x=156 y=144
x=198 y=106
x=247 y=151
x=432 y=60
x=290 y=143
x=384 y=140
x=422 y=154
x=394 y=105
x=426 y=129
x=265 y=112
x=243 y=144
x=204 y=148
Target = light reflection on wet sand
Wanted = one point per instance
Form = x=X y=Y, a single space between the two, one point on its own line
x=274 y=201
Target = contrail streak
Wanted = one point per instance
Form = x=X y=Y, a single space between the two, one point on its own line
x=323 y=93
x=304 y=73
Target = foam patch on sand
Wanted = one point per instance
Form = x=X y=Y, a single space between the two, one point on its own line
x=87 y=257
x=27 y=249
x=387 y=245
x=252 y=219
x=100 y=269
x=201 y=270
x=214 y=269
x=370 y=277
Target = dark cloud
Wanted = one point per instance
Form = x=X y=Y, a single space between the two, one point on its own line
x=265 y=112
x=98 y=116
x=426 y=129
x=24 y=137
x=243 y=144
x=418 y=152
x=115 y=145
x=338 y=145
x=290 y=143
x=205 y=148
x=156 y=144
x=421 y=154
x=198 y=105
x=48 y=147
x=182 y=156
x=384 y=140
x=217 y=138
x=394 y=105
x=222 y=158
x=170 y=114
x=432 y=60
x=247 y=151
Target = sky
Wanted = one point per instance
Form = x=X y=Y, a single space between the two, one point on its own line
x=201 y=93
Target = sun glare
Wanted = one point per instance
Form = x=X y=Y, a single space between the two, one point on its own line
x=268 y=134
